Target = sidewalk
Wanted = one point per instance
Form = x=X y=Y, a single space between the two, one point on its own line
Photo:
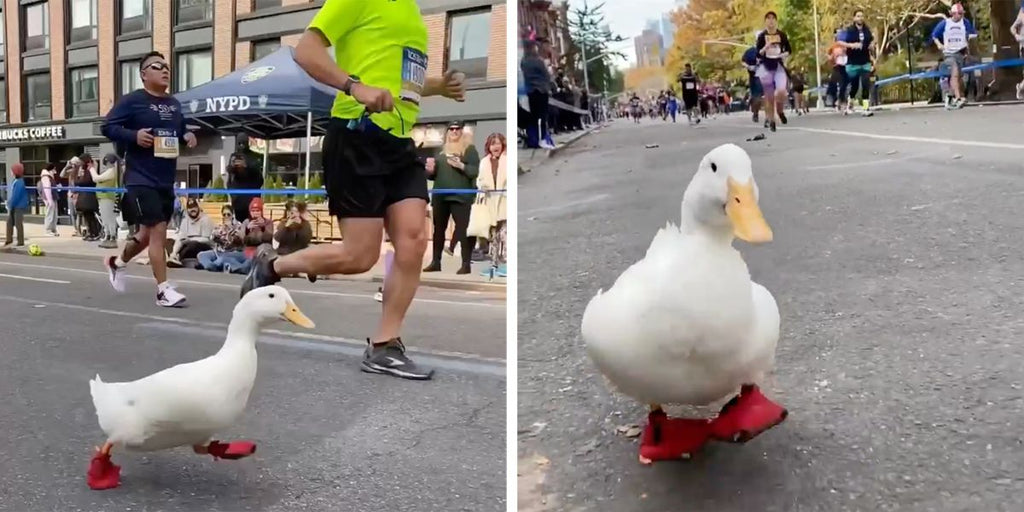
x=67 y=246
x=530 y=158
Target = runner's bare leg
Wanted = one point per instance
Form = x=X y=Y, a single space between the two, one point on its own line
x=406 y=229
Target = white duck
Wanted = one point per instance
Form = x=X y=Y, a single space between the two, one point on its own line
x=685 y=325
x=187 y=404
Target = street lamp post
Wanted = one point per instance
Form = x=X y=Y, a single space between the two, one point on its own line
x=817 y=55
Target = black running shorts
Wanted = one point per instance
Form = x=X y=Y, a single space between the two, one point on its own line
x=147 y=206
x=365 y=172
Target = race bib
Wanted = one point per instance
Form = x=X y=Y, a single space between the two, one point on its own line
x=165 y=144
x=841 y=60
x=773 y=52
x=690 y=85
x=414 y=74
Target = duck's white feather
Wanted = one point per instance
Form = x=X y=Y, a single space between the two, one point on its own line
x=684 y=325
x=182 y=405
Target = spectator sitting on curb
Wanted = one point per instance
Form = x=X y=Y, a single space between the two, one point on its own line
x=294 y=232
x=193 y=235
x=258 y=230
x=227 y=243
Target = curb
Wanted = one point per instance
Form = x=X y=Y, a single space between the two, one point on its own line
x=549 y=153
x=447 y=284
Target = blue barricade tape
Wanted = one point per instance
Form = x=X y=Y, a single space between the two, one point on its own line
x=262 y=191
x=1009 y=63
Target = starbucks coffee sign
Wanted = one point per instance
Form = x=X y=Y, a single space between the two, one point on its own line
x=32 y=133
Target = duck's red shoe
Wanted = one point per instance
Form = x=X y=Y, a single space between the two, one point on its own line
x=667 y=438
x=232 y=451
x=746 y=416
x=103 y=474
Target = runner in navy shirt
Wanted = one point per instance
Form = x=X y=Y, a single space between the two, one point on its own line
x=147 y=126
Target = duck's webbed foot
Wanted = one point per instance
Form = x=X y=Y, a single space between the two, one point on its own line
x=667 y=438
x=232 y=450
x=103 y=474
x=746 y=416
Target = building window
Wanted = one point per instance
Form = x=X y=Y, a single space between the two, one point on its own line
x=193 y=69
x=37 y=97
x=83 y=20
x=261 y=49
x=3 y=101
x=190 y=11
x=135 y=16
x=469 y=36
x=3 y=30
x=131 y=79
x=265 y=4
x=85 y=96
x=37 y=27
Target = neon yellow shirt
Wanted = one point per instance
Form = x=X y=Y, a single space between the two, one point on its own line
x=384 y=43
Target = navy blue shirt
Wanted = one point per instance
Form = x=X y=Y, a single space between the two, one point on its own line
x=138 y=110
x=862 y=35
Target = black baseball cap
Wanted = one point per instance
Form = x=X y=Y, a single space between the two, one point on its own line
x=110 y=159
x=456 y=124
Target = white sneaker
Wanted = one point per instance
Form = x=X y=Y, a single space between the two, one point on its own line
x=169 y=298
x=115 y=273
x=379 y=296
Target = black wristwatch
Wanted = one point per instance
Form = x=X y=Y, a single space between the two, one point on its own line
x=347 y=88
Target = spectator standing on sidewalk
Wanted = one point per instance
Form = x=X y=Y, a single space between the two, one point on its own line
x=456 y=166
x=46 y=181
x=493 y=177
x=86 y=203
x=107 y=179
x=538 y=89
x=68 y=176
x=17 y=205
x=242 y=174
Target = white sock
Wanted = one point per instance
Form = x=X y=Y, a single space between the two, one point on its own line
x=163 y=286
x=119 y=263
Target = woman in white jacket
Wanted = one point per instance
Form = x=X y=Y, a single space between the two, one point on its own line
x=107 y=179
x=493 y=177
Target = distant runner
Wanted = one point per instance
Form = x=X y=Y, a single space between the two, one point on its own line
x=750 y=60
x=952 y=36
x=858 y=41
x=773 y=46
x=690 y=83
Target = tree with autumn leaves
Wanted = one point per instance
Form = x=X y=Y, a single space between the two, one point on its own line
x=712 y=34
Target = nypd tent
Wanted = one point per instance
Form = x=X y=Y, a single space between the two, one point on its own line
x=272 y=98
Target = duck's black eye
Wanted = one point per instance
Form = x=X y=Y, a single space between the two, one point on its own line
x=271 y=295
x=714 y=168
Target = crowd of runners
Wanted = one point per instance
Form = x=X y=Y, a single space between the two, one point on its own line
x=773 y=85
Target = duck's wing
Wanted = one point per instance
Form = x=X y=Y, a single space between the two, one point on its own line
x=765 y=330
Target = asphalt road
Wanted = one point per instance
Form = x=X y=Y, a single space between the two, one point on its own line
x=896 y=266
x=329 y=436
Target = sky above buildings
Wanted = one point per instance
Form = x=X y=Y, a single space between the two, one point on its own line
x=627 y=18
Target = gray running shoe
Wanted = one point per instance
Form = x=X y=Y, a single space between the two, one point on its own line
x=390 y=359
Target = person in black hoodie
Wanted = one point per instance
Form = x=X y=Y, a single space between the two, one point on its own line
x=242 y=174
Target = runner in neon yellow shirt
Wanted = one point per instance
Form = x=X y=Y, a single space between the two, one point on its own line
x=373 y=177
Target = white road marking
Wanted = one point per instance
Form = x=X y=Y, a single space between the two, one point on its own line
x=564 y=206
x=185 y=322
x=868 y=163
x=908 y=138
x=41 y=280
x=235 y=287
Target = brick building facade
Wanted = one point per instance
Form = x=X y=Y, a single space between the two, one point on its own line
x=63 y=64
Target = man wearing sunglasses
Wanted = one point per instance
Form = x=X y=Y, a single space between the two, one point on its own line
x=373 y=178
x=147 y=126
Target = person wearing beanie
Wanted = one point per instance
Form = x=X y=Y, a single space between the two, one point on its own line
x=17 y=205
x=107 y=179
x=194 y=234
